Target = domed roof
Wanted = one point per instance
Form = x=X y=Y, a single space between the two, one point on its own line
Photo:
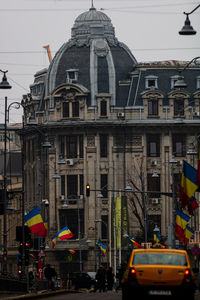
x=91 y=24
x=95 y=54
x=92 y=15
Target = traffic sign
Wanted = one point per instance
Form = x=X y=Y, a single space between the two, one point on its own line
x=42 y=253
x=195 y=251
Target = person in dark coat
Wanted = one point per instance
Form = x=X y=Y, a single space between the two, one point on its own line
x=50 y=275
x=110 y=278
x=101 y=279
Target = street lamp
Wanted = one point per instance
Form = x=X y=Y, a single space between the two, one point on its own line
x=180 y=83
x=5 y=85
x=187 y=28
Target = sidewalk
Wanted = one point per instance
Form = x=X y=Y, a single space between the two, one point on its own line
x=39 y=294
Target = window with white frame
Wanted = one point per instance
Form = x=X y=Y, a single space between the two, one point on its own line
x=151 y=81
x=72 y=75
x=173 y=80
x=198 y=82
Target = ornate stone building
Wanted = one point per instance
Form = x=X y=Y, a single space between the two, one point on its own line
x=114 y=122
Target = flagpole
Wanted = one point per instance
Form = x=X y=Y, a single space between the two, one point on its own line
x=174 y=204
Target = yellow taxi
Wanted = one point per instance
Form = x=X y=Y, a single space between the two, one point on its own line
x=158 y=272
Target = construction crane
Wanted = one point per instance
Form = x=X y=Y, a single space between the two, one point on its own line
x=48 y=52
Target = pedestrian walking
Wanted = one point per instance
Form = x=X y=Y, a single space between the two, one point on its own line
x=110 y=279
x=101 y=279
x=50 y=275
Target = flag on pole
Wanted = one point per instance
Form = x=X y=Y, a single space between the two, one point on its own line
x=136 y=245
x=181 y=223
x=63 y=234
x=198 y=168
x=102 y=247
x=156 y=238
x=189 y=234
x=35 y=222
x=192 y=205
x=188 y=184
x=72 y=251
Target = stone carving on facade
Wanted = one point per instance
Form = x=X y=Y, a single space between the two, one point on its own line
x=91 y=141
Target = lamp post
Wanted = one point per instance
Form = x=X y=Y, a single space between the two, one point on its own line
x=187 y=28
x=5 y=85
x=180 y=83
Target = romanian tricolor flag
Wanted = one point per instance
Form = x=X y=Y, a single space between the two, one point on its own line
x=136 y=245
x=44 y=232
x=102 y=247
x=72 y=251
x=192 y=205
x=188 y=184
x=156 y=238
x=181 y=223
x=63 y=234
x=189 y=234
x=35 y=222
x=54 y=239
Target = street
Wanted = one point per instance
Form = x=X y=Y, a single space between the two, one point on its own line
x=111 y=295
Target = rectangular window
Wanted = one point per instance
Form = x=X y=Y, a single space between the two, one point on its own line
x=62 y=185
x=153 y=145
x=178 y=107
x=178 y=145
x=65 y=109
x=71 y=146
x=104 y=227
x=151 y=83
x=69 y=218
x=153 y=184
x=104 y=185
x=72 y=185
x=62 y=145
x=75 y=109
x=153 y=107
x=81 y=182
x=81 y=146
x=103 y=108
x=103 y=145
x=74 y=146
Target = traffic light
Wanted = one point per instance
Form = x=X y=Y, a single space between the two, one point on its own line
x=88 y=190
x=26 y=254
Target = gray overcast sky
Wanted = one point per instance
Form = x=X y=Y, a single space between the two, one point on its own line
x=148 y=27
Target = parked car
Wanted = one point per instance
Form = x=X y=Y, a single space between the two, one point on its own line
x=82 y=280
x=158 y=272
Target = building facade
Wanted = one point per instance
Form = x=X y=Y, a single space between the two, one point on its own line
x=110 y=121
x=14 y=193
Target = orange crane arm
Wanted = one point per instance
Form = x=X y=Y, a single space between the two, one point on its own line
x=48 y=52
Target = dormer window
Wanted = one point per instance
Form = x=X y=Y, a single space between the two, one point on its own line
x=103 y=108
x=151 y=81
x=173 y=80
x=72 y=75
x=198 y=82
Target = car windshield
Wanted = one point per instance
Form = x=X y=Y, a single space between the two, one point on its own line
x=159 y=259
